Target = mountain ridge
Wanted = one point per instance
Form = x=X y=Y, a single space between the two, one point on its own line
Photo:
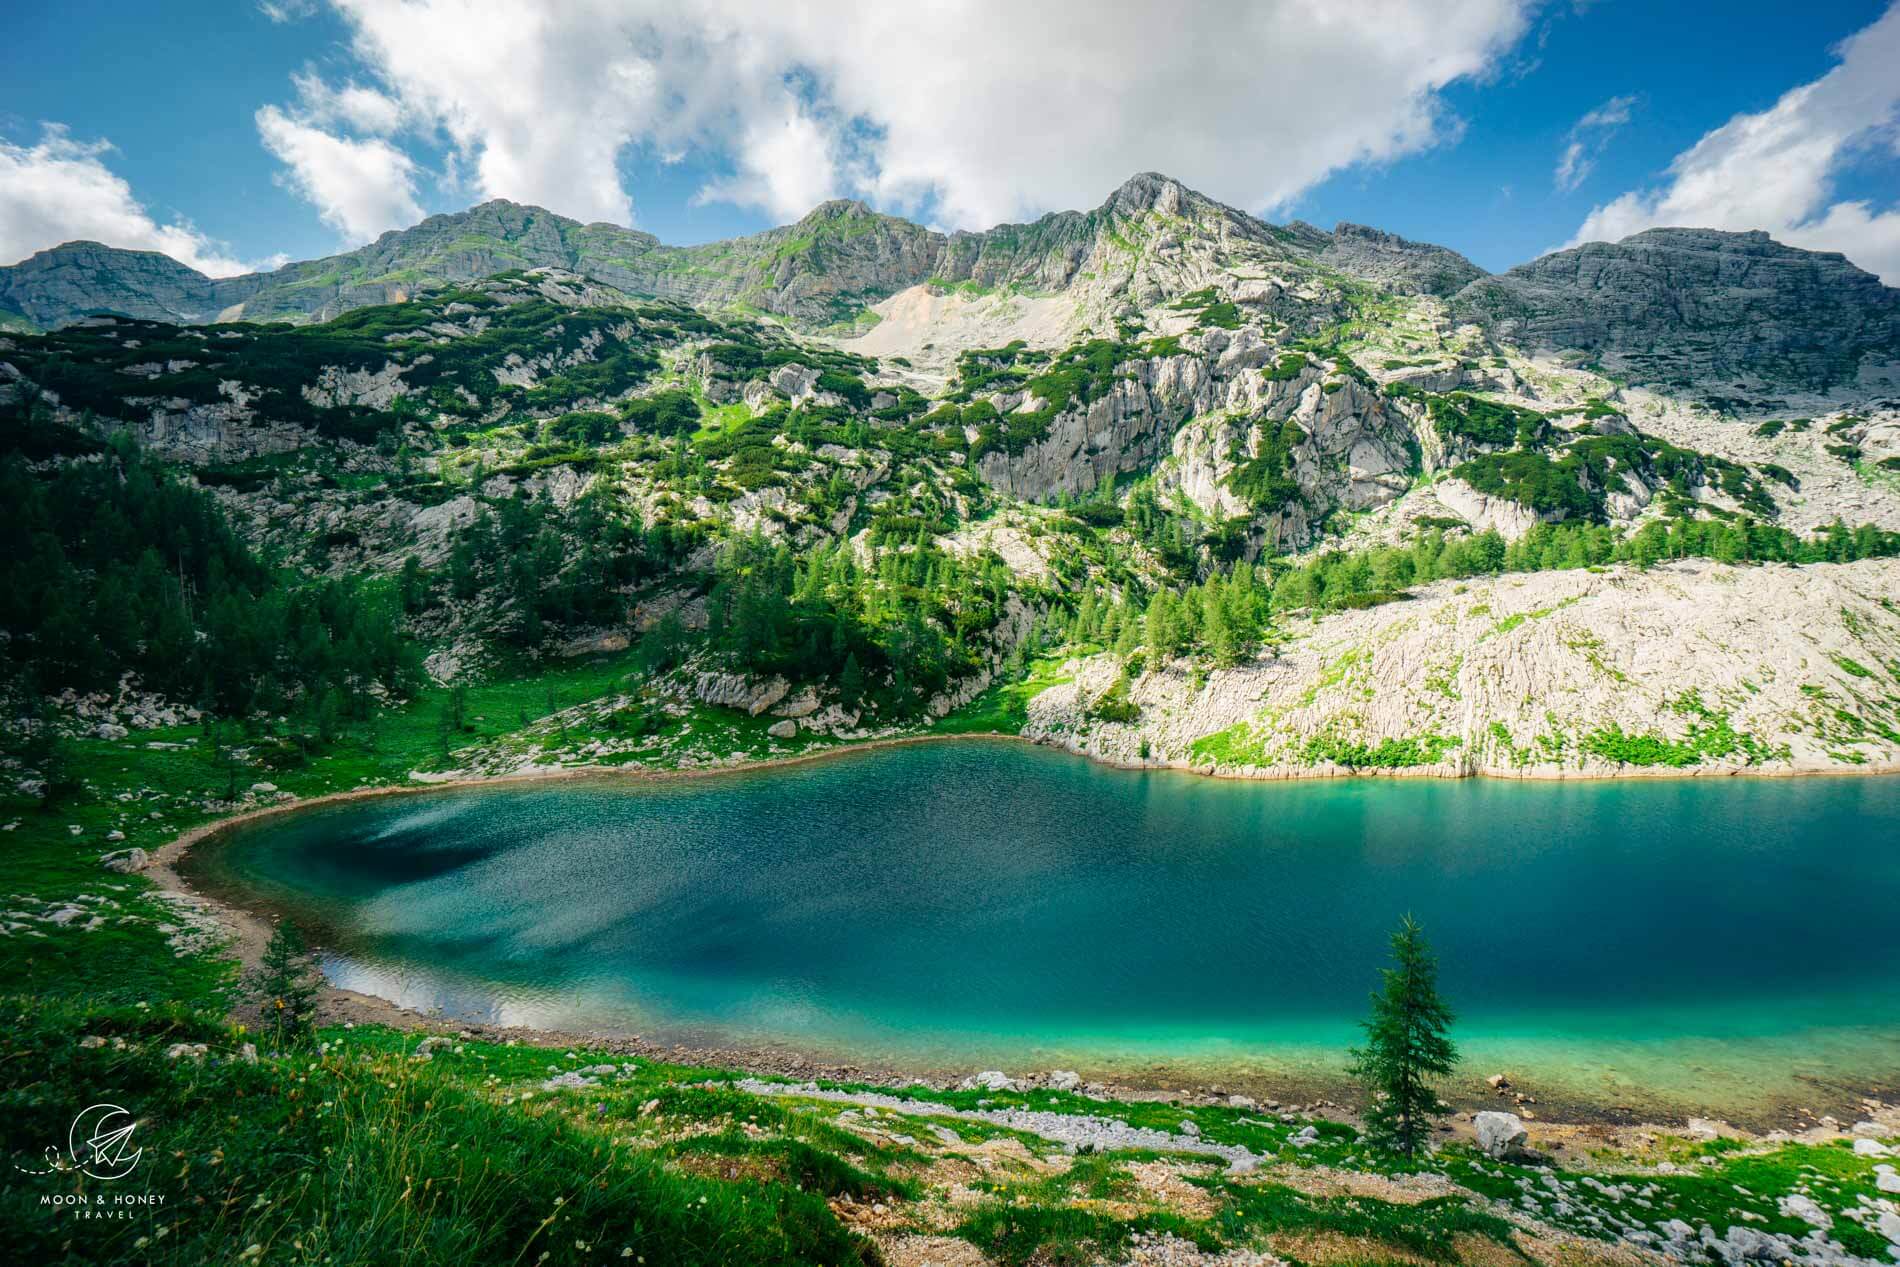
x=1669 y=304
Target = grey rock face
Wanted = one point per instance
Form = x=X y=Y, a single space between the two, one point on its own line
x=1690 y=305
x=1395 y=263
x=58 y=286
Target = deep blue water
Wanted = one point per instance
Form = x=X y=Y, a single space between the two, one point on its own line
x=1690 y=941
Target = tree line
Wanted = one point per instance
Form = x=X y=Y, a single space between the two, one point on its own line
x=114 y=565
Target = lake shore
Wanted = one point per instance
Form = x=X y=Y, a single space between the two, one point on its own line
x=1303 y=1086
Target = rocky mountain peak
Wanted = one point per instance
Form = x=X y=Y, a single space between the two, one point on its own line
x=1696 y=305
x=839 y=209
x=1151 y=191
x=57 y=285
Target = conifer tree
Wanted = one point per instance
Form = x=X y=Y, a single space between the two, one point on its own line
x=1407 y=1046
x=283 y=988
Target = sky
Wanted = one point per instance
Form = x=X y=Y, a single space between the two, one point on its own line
x=239 y=134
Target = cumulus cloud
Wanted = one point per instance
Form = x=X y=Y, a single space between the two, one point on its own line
x=1587 y=139
x=363 y=109
x=359 y=186
x=968 y=111
x=1777 y=169
x=60 y=190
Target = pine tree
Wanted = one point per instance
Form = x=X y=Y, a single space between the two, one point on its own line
x=851 y=681
x=1407 y=1045
x=283 y=988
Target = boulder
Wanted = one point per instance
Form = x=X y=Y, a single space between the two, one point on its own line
x=1870 y=1148
x=125 y=861
x=803 y=704
x=426 y=1049
x=736 y=690
x=572 y=1080
x=110 y=730
x=1702 y=1128
x=186 y=1051
x=1797 y=1206
x=782 y=729
x=1499 y=1133
x=988 y=1080
x=1064 y=1079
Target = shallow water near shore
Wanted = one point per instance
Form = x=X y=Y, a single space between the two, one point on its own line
x=1726 y=946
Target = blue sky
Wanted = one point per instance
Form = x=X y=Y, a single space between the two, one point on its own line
x=229 y=142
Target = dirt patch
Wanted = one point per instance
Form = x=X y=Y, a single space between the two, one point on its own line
x=730 y=1169
x=1324 y=1181
x=1564 y=1249
x=930 y=1251
x=1333 y=1247
x=1166 y=1183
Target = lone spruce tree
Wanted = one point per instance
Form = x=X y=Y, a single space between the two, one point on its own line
x=1407 y=1045
x=283 y=988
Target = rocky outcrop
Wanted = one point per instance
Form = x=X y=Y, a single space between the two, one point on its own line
x=1395 y=263
x=1483 y=511
x=1688 y=668
x=1199 y=415
x=1696 y=305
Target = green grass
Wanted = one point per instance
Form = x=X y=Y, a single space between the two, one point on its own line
x=1003 y=709
x=1711 y=736
x=1017 y=1235
x=1388 y=754
x=358 y=1154
x=1238 y=745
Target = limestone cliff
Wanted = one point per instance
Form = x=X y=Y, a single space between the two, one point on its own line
x=1688 y=668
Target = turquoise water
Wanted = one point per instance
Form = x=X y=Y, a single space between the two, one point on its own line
x=1726 y=944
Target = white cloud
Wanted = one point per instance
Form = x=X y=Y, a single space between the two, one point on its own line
x=1588 y=136
x=1776 y=170
x=60 y=190
x=359 y=186
x=363 y=109
x=786 y=165
x=979 y=111
x=287 y=10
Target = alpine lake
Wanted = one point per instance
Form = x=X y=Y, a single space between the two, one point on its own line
x=1718 y=946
